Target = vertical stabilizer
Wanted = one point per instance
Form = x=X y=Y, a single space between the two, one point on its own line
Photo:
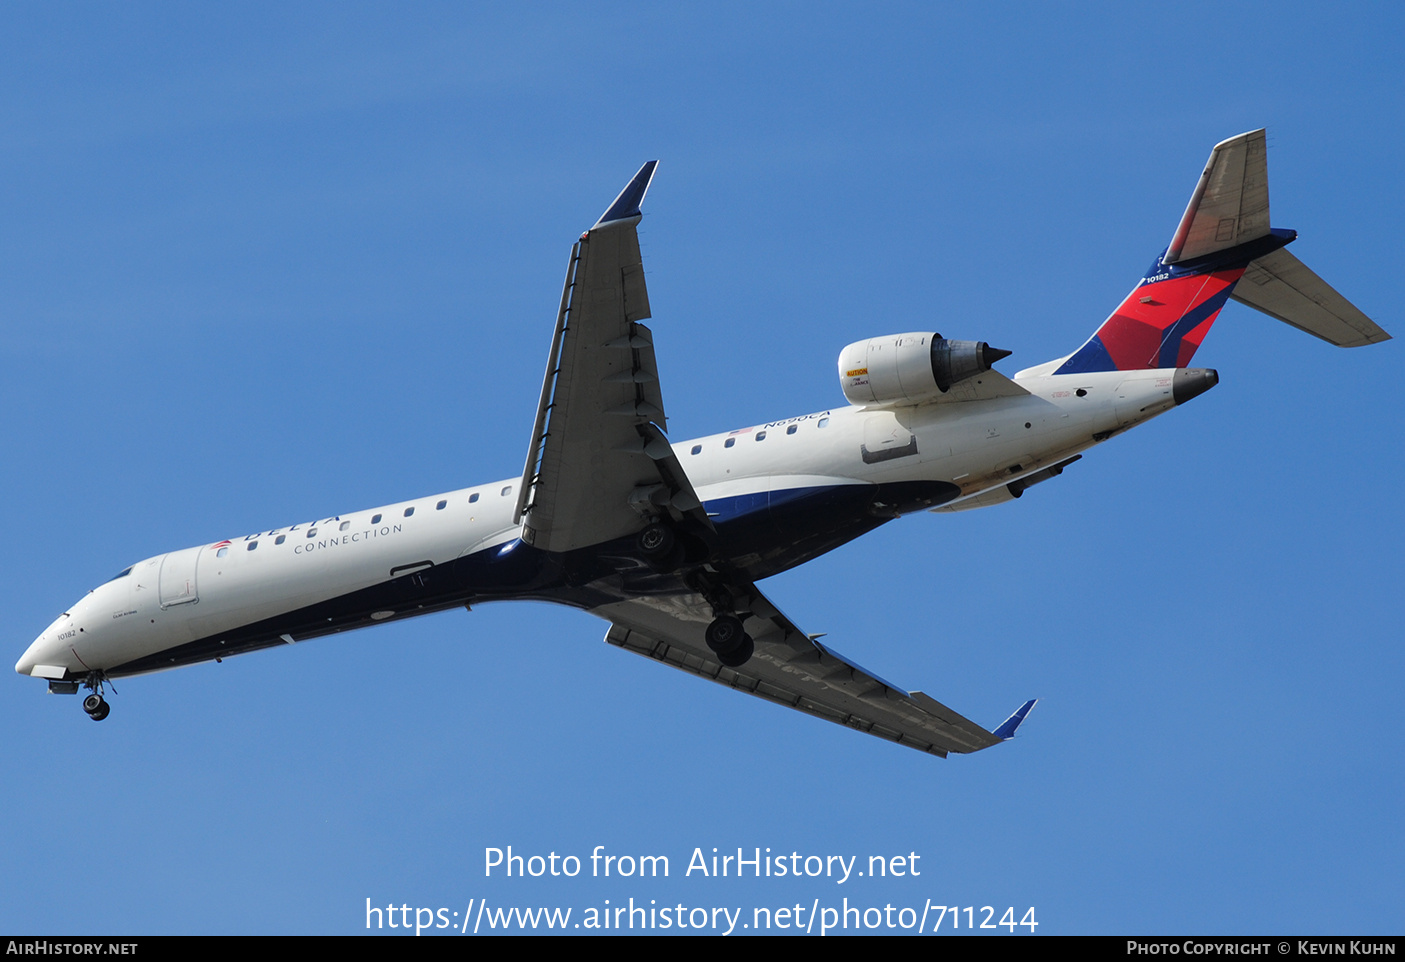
x=1161 y=323
x=1223 y=247
x=1224 y=229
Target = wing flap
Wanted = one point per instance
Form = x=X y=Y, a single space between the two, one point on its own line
x=636 y=294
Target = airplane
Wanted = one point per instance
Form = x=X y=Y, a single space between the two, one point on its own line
x=666 y=541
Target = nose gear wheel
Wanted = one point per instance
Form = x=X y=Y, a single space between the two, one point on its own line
x=95 y=705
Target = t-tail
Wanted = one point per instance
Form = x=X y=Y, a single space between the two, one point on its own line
x=1223 y=247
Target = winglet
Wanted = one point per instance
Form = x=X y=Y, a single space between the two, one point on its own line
x=1009 y=726
x=626 y=205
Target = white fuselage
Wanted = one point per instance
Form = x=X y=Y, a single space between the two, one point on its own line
x=180 y=598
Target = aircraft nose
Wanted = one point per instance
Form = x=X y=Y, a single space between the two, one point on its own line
x=46 y=657
x=30 y=658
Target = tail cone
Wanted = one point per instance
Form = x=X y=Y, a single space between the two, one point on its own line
x=1192 y=382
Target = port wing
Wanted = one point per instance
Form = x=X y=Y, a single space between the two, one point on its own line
x=599 y=465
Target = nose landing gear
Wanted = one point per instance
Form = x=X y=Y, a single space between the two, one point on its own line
x=95 y=705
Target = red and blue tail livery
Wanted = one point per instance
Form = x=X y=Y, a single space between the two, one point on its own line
x=1160 y=324
x=1163 y=321
x=1223 y=238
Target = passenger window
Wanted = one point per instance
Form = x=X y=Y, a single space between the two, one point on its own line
x=473 y=497
x=760 y=435
x=440 y=506
x=312 y=532
x=791 y=429
x=824 y=421
x=280 y=539
x=253 y=545
x=375 y=519
x=344 y=526
x=221 y=553
x=409 y=511
x=507 y=490
x=730 y=442
x=697 y=449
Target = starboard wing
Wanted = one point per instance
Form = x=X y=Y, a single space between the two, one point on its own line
x=790 y=668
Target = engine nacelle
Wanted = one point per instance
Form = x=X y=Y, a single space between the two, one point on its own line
x=910 y=368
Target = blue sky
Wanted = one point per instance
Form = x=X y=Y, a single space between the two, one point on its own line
x=264 y=263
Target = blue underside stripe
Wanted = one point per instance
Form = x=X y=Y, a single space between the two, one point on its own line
x=722 y=510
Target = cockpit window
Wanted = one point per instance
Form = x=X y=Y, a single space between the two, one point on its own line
x=121 y=574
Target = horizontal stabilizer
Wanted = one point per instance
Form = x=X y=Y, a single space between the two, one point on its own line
x=1284 y=287
x=1009 y=726
x=1230 y=204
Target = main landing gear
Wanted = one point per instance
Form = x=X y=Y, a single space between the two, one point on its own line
x=725 y=636
x=95 y=705
x=664 y=551
x=660 y=547
x=729 y=641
